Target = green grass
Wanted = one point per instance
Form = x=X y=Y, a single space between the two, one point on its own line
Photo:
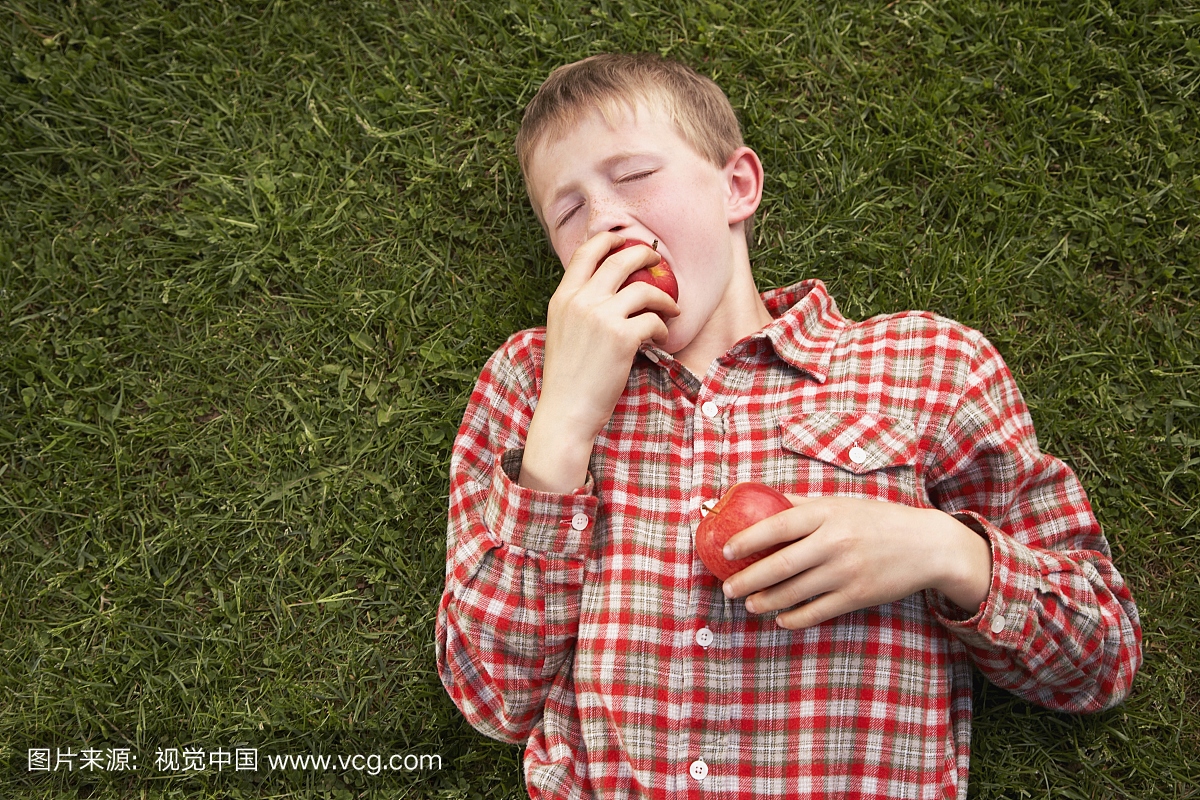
x=253 y=254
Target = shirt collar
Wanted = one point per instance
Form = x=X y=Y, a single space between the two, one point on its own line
x=806 y=326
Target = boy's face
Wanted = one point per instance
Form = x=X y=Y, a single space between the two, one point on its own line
x=638 y=177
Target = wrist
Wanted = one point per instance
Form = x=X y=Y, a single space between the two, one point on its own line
x=966 y=573
x=556 y=455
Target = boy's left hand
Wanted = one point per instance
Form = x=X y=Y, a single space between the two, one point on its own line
x=850 y=553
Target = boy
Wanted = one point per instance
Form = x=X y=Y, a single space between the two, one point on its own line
x=928 y=532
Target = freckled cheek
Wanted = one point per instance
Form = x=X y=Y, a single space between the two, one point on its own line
x=646 y=204
x=663 y=211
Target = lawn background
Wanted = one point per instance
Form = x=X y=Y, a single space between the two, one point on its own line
x=253 y=255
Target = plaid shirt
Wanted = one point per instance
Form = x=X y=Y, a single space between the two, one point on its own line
x=586 y=626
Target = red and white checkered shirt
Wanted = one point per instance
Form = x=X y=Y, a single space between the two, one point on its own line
x=586 y=626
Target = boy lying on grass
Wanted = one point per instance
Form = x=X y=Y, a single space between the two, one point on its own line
x=928 y=532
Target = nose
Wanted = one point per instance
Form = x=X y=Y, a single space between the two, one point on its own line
x=606 y=215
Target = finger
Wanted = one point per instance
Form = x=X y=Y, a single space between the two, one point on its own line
x=656 y=328
x=619 y=266
x=641 y=296
x=583 y=261
x=818 y=610
x=640 y=312
x=797 y=588
x=780 y=566
x=649 y=326
x=786 y=526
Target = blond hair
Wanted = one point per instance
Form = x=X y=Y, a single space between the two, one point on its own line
x=697 y=107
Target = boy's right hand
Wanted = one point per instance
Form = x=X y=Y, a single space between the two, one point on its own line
x=593 y=332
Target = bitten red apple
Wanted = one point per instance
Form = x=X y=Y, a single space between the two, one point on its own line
x=659 y=275
x=742 y=506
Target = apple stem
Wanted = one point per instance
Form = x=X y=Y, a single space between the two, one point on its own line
x=654 y=246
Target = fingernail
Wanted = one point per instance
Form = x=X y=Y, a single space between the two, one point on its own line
x=727 y=589
x=727 y=551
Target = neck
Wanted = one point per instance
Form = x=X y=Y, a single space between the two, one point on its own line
x=740 y=314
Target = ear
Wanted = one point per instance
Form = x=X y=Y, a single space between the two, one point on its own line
x=744 y=184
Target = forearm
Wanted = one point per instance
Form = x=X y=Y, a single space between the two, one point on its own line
x=1058 y=628
x=1059 y=625
x=514 y=559
x=556 y=453
x=498 y=661
x=510 y=610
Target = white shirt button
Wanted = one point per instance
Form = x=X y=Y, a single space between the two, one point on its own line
x=579 y=521
x=698 y=770
x=710 y=410
x=704 y=637
x=857 y=454
x=707 y=506
x=999 y=623
x=653 y=356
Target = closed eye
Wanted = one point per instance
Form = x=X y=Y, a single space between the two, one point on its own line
x=635 y=176
x=563 y=219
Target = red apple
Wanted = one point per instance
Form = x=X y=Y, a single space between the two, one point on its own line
x=742 y=506
x=659 y=275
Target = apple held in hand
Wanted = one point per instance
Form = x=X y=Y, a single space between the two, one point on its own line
x=742 y=506
x=659 y=275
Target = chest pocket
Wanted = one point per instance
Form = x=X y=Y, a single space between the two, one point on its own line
x=854 y=453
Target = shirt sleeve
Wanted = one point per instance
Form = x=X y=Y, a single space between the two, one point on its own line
x=508 y=616
x=1059 y=626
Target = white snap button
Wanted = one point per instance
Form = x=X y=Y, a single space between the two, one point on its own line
x=704 y=637
x=579 y=521
x=706 y=507
x=710 y=409
x=653 y=356
x=857 y=454
x=999 y=623
x=698 y=770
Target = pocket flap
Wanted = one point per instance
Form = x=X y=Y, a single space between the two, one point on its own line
x=851 y=440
